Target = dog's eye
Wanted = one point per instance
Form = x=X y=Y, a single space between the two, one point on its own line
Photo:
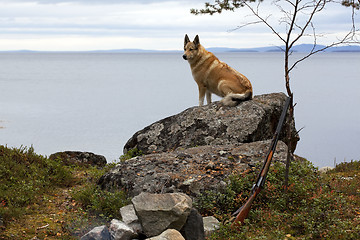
x=191 y=49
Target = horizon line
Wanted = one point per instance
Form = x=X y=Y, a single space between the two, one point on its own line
x=297 y=48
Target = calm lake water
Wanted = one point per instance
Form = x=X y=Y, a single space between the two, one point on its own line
x=96 y=101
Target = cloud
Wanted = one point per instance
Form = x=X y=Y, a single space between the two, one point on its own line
x=104 y=19
x=24 y=21
x=159 y=24
x=100 y=2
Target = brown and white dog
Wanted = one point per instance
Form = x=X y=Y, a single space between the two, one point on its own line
x=214 y=76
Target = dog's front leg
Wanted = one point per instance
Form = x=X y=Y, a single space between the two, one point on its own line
x=202 y=91
x=208 y=96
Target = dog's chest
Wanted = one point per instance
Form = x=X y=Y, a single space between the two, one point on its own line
x=205 y=70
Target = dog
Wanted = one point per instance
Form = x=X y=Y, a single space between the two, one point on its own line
x=214 y=76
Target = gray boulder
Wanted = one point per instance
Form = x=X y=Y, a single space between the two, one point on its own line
x=80 y=158
x=97 y=233
x=192 y=171
x=215 y=124
x=170 y=234
x=120 y=231
x=158 y=212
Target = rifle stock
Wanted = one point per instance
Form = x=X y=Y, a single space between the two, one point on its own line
x=243 y=212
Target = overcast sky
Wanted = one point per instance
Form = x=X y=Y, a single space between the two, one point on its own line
x=76 y=25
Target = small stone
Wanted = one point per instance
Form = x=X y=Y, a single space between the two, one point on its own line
x=97 y=233
x=211 y=224
x=169 y=234
x=120 y=231
x=325 y=169
x=128 y=214
x=222 y=153
x=130 y=218
x=210 y=165
x=188 y=181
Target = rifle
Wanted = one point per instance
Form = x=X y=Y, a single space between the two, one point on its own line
x=243 y=211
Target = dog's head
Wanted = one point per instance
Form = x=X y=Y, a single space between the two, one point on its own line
x=190 y=48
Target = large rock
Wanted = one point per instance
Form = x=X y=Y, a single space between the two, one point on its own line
x=158 y=212
x=215 y=124
x=80 y=158
x=191 y=171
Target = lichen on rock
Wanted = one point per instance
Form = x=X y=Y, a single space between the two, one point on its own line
x=215 y=124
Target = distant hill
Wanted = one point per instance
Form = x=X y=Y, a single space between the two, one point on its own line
x=298 y=48
x=346 y=49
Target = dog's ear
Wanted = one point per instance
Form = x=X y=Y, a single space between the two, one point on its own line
x=186 y=40
x=196 y=41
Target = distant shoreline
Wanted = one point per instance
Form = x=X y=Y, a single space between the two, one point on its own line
x=302 y=48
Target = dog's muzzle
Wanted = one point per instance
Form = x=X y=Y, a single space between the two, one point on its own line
x=184 y=57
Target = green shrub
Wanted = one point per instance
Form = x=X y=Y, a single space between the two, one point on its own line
x=222 y=203
x=23 y=176
x=101 y=202
x=347 y=166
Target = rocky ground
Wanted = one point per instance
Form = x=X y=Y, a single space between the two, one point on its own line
x=192 y=171
x=191 y=153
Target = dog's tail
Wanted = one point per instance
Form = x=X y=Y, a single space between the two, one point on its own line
x=234 y=99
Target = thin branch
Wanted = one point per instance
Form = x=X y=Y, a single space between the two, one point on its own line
x=315 y=9
x=298 y=131
x=264 y=21
x=245 y=25
x=315 y=39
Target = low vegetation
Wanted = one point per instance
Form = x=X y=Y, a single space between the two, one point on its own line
x=134 y=152
x=47 y=199
x=24 y=176
x=314 y=206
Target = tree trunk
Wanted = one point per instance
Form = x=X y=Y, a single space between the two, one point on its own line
x=291 y=114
